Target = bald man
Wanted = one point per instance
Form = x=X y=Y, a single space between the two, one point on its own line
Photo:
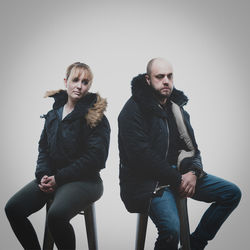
x=160 y=160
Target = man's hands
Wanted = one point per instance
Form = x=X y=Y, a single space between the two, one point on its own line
x=47 y=184
x=187 y=187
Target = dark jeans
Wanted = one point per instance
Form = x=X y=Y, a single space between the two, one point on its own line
x=68 y=200
x=223 y=195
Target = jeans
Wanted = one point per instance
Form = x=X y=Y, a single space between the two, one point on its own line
x=68 y=200
x=223 y=195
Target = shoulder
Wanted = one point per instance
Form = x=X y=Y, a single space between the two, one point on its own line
x=104 y=123
x=185 y=113
x=49 y=115
x=129 y=109
x=95 y=114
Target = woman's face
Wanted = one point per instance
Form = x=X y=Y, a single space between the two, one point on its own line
x=77 y=85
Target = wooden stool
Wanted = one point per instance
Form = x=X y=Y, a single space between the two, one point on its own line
x=90 y=224
x=142 y=221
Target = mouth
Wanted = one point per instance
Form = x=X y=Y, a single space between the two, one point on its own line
x=165 y=88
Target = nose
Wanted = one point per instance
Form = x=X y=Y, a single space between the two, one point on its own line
x=79 y=84
x=166 y=80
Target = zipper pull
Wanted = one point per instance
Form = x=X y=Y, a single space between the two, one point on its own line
x=43 y=116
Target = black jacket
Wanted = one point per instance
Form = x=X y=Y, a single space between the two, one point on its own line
x=75 y=148
x=143 y=146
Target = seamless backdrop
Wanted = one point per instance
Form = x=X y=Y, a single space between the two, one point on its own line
x=208 y=44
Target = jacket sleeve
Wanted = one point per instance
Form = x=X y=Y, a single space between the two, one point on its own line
x=92 y=160
x=134 y=141
x=193 y=163
x=43 y=160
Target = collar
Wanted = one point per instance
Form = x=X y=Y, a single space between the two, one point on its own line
x=143 y=95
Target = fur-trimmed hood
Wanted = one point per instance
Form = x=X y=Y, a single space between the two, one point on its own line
x=142 y=93
x=91 y=106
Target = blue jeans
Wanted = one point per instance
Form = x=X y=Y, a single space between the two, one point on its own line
x=223 y=195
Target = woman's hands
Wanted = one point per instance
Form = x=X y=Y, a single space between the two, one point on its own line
x=188 y=183
x=47 y=184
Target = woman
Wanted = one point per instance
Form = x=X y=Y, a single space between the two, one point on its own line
x=73 y=148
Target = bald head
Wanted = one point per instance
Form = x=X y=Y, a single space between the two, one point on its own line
x=157 y=64
x=160 y=77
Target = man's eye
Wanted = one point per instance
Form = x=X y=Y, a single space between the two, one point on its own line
x=170 y=76
x=85 y=81
x=160 y=76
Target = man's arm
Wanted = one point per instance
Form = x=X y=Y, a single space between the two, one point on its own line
x=138 y=149
x=192 y=163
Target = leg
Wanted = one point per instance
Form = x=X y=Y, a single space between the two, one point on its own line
x=225 y=197
x=48 y=241
x=164 y=214
x=24 y=203
x=69 y=200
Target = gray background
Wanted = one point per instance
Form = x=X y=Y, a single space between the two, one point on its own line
x=208 y=44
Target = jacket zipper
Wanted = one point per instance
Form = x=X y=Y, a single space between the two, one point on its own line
x=157 y=183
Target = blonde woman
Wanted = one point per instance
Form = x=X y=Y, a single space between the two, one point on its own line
x=73 y=148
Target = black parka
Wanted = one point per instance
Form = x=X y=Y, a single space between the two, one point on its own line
x=143 y=139
x=75 y=148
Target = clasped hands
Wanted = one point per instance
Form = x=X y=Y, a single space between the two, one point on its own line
x=47 y=184
x=188 y=183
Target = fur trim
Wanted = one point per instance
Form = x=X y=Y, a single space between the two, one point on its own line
x=143 y=94
x=95 y=114
x=92 y=105
x=50 y=93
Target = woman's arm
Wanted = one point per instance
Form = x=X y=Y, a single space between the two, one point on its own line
x=43 y=160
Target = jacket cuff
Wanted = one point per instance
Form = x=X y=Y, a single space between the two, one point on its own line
x=199 y=172
x=172 y=177
x=59 y=181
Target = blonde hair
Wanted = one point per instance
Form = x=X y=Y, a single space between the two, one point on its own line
x=78 y=68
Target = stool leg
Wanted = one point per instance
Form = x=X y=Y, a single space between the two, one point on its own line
x=184 y=224
x=48 y=241
x=90 y=223
x=142 y=222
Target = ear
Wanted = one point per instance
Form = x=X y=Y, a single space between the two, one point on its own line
x=65 y=82
x=147 y=79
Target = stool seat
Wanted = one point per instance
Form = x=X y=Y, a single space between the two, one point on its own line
x=142 y=221
x=90 y=224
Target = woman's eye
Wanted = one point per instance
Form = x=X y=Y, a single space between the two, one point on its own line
x=85 y=82
x=75 y=79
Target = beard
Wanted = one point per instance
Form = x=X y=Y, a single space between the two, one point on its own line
x=159 y=95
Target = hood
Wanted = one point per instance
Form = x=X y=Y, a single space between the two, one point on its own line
x=143 y=95
x=91 y=106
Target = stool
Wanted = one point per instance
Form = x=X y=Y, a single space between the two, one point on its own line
x=90 y=224
x=142 y=221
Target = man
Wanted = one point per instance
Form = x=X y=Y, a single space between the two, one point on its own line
x=160 y=160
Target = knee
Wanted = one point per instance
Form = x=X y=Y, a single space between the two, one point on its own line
x=169 y=238
x=236 y=194
x=170 y=235
x=12 y=209
x=233 y=195
x=9 y=208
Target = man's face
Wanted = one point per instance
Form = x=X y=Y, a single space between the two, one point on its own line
x=161 y=78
